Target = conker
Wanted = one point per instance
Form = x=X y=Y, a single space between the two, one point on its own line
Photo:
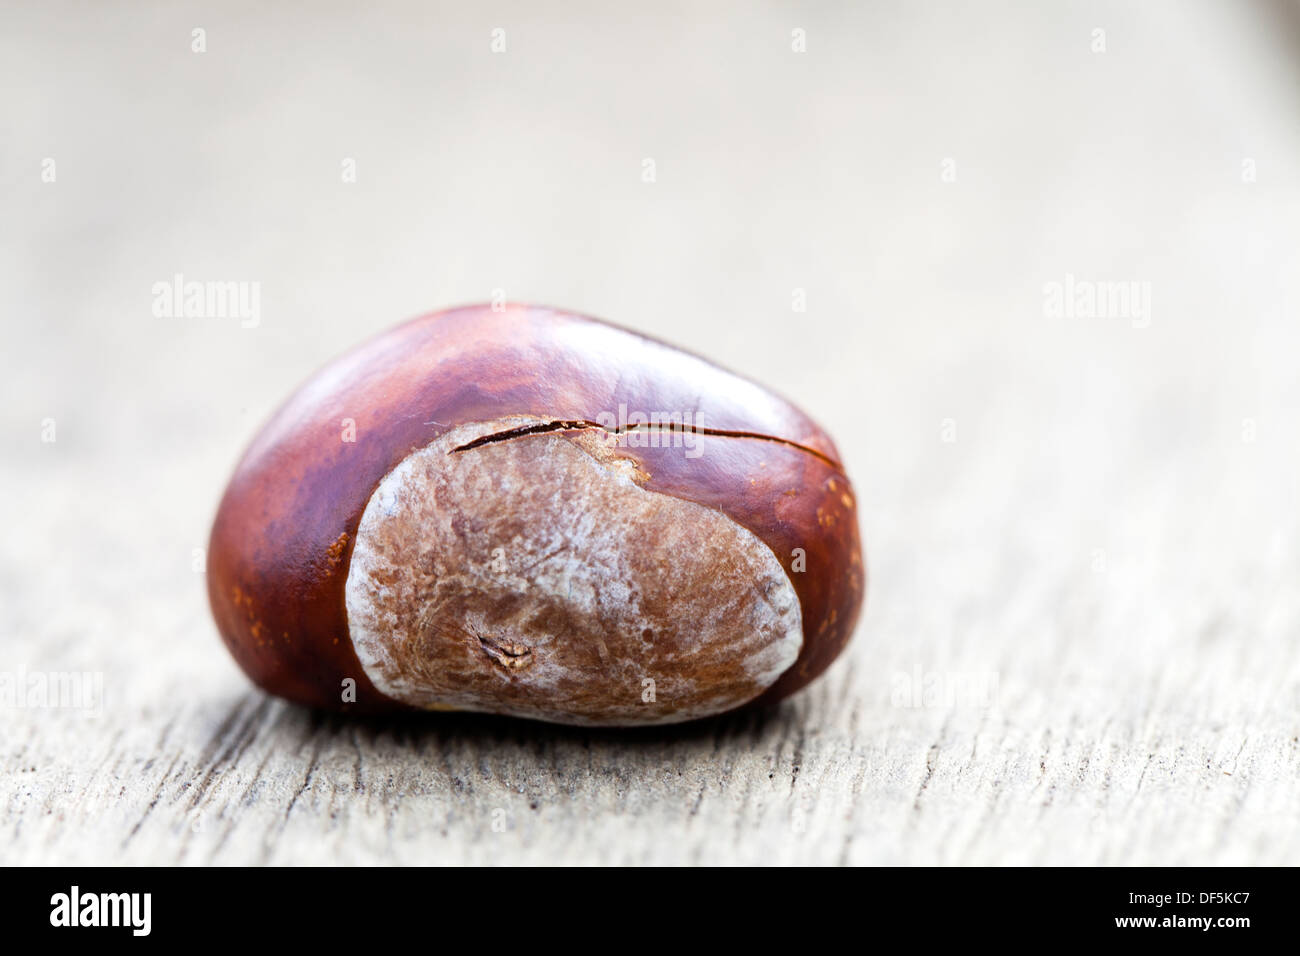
x=523 y=511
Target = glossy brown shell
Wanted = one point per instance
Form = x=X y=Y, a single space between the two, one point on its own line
x=282 y=539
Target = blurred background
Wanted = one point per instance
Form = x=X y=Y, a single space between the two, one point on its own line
x=878 y=209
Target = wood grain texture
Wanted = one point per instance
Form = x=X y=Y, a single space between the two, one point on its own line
x=1081 y=641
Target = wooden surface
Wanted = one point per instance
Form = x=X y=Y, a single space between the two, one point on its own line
x=1082 y=634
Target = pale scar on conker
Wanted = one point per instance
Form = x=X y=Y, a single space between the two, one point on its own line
x=535 y=514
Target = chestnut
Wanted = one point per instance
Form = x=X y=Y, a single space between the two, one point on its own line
x=522 y=511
